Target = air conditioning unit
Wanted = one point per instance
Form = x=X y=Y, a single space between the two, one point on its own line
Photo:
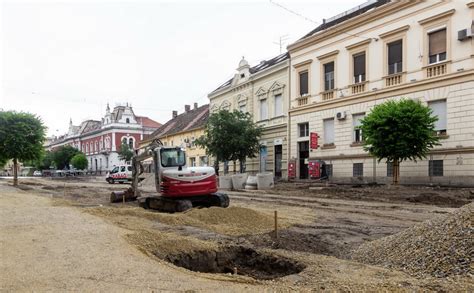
x=465 y=34
x=341 y=115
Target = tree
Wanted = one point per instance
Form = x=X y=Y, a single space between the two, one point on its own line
x=79 y=161
x=231 y=136
x=125 y=152
x=63 y=155
x=21 y=138
x=398 y=131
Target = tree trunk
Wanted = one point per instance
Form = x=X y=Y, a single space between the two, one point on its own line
x=396 y=172
x=15 y=172
x=242 y=166
x=235 y=167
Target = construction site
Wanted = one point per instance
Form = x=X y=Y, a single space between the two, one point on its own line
x=65 y=234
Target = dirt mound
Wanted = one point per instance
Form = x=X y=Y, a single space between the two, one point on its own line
x=440 y=247
x=230 y=221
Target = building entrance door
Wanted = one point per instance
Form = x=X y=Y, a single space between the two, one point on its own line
x=303 y=155
x=278 y=157
x=263 y=158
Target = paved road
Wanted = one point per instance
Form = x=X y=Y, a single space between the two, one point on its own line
x=45 y=247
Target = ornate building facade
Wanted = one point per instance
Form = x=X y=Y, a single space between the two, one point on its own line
x=101 y=139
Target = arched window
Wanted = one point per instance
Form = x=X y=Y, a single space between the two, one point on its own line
x=124 y=140
x=96 y=146
x=127 y=120
x=131 y=143
x=107 y=142
x=87 y=148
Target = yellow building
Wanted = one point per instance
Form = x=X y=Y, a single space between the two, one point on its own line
x=182 y=130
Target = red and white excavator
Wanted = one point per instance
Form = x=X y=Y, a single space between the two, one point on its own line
x=180 y=187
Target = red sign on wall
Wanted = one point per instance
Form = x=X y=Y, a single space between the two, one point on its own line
x=291 y=170
x=314 y=169
x=313 y=140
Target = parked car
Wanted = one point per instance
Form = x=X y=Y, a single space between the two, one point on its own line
x=37 y=173
x=120 y=174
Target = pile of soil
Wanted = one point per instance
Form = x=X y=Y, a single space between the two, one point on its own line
x=234 y=221
x=441 y=247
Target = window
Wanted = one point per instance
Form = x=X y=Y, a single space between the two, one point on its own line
x=127 y=120
x=242 y=108
x=172 y=157
x=278 y=105
x=395 y=54
x=389 y=169
x=96 y=146
x=242 y=75
x=435 y=168
x=303 y=83
x=329 y=76
x=203 y=161
x=192 y=162
x=329 y=170
x=358 y=169
x=437 y=46
x=439 y=110
x=356 y=123
x=263 y=109
x=122 y=169
x=130 y=143
x=328 y=131
x=124 y=140
x=303 y=129
x=359 y=67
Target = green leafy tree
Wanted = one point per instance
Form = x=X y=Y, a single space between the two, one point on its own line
x=399 y=130
x=231 y=136
x=79 y=161
x=21 y=138
x=125 y=152
x=63 y=155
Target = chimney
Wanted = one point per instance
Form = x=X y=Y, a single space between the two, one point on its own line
x=195 y=106
x=187 y=108
x=175 y=114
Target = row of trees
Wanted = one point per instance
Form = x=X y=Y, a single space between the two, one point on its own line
x=394 y=131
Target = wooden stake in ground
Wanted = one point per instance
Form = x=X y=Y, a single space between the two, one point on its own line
x=276 y=225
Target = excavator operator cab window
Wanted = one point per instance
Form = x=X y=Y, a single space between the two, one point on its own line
x=172 y=157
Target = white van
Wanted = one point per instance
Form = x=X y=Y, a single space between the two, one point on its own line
x=120 y=174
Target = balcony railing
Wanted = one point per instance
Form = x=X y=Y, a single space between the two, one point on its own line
x=328 y=95
x=302 y=101
x=358 y=88
x=393 y=79
x=436 y=70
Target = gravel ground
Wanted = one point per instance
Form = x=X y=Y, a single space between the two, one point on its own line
x=440 y=247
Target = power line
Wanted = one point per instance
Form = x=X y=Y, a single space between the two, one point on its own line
x=293 y=12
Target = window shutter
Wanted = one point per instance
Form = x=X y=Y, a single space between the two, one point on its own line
x=359 y=64
x=303 y=83
x=395 y=52
x=439 y=110
x=437 y=42
x=328 y=131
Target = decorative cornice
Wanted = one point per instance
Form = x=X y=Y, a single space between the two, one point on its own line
x=324 y=56
x=436 y=17
x=359 y=44
x=395 y=31
x=306 y=62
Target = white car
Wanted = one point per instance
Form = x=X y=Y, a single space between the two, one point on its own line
x=37 y=173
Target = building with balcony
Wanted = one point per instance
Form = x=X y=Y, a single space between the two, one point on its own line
x=100 y=140
x=383 y=50
x=261 y=90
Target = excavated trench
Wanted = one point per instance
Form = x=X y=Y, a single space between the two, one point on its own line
x=237 y=260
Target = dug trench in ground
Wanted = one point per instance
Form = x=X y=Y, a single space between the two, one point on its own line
x=331 y=216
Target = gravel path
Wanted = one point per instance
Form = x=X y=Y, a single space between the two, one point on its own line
x=45 y=247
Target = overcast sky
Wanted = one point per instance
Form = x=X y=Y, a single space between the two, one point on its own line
x=68 y=59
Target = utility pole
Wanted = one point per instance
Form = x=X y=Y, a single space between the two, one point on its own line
x=281 y=41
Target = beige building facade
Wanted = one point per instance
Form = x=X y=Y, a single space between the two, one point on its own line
x=262 y=91
x=384 y=50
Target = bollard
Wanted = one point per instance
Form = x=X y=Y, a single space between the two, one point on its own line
x=276 y=225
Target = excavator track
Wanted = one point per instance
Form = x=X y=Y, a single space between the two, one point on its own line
x=170 y=205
